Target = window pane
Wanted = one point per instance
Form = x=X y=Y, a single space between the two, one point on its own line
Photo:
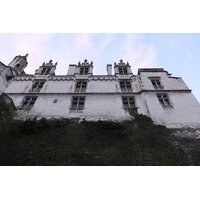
x=126 y=105
x=132 y=105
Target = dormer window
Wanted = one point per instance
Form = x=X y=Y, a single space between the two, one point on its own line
x=46 y=68
x=45 y=71
x=84 y=70
x=156 y=83
x=123 y=70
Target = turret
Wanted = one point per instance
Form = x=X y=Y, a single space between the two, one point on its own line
x=18 y=64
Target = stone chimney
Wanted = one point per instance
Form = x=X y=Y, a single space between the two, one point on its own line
x=109 y=69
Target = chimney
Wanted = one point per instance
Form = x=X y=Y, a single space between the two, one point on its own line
x=71 y=69
x=109 y=69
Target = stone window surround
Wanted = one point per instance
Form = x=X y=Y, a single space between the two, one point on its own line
x=128 y=102
x=123 y=70
x=77 y=103
x=164 y=100
x=37 y=85
x=125 y=85
x=45 y=70
x=156 y=82
x=81 y=86
x=28 y=102
x=84 y=71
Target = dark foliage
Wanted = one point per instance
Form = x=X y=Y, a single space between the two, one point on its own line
x=103 y=143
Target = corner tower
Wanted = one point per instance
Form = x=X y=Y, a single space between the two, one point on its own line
x=18 y=64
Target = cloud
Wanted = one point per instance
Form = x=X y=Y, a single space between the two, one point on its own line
x=36 y=45
x=83 y=41
x=71 y=48
x=138 y=53
x=149 y=57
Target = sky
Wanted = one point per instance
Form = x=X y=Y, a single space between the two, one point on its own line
x=178 y=53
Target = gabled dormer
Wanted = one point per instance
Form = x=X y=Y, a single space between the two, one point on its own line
x=46 y=69
x=122 y=69
x=84 y=68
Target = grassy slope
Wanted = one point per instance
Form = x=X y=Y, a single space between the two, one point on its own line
x=67 y=142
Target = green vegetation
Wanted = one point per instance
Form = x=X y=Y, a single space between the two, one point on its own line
x=103 y=143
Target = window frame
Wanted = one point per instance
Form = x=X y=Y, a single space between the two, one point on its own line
x=45 y=70
x=81 y=87
x=123 y=70
x=28 y=102
x=129 y=100
x=156 y=82
x=76 y=101
x=125 y=84
x=164 y=100
x=84 y=71
x=37 y=86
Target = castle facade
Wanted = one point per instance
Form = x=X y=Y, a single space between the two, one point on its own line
x=80 y=94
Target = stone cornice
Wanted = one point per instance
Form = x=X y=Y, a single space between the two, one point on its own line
x=101 y=93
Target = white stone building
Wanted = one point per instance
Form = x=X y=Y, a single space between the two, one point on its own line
x=154 y=92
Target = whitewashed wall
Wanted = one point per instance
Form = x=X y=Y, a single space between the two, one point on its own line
x=103 y=98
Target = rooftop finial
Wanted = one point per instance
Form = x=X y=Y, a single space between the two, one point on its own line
x=25 y=57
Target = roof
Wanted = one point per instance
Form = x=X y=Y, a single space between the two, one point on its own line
x=152 y=70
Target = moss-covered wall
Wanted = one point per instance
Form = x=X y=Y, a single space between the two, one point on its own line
x=7 y=107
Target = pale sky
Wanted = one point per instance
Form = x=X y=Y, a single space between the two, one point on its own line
x=177 y=53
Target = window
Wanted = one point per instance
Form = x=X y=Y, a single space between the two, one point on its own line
x=125 y=86
x=45 y=71
x=37 y=86
x=156 y=83
x=55 y=100
x=164 y=100
x=123 y=71
x=128 y=102
x=29 y=101
x=84 y=70
x=77 y=103
x=81 y=86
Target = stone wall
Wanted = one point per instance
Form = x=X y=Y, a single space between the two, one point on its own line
x=103 y=97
